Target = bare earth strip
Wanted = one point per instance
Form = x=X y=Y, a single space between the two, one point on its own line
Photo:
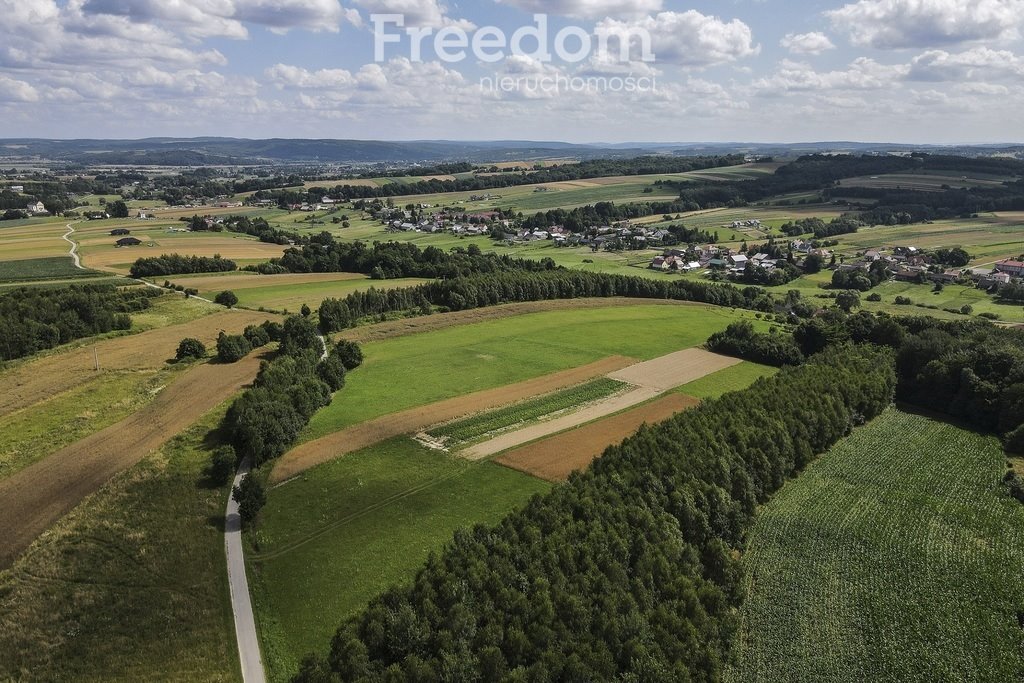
x=36 y=497
x=36 y=380
x=651 y=378
x=429 y=323
x=360 y=436
x=674 y=370
x=556 y=458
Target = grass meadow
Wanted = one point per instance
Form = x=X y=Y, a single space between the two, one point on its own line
x=131 y=584
x=895 y=558
x=735 y=378
x=344 y=532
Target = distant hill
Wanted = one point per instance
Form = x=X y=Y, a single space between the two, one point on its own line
x=210 y=151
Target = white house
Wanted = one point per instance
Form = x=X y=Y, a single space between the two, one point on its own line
x=36 y=209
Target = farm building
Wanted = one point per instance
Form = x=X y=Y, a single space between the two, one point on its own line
x=120 y=232
x=129 y=242
x=36 y=209
x=1012 y=268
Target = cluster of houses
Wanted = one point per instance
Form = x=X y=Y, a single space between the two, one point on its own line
x=36 y=209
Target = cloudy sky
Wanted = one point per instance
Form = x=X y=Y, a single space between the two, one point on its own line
x=742 y=70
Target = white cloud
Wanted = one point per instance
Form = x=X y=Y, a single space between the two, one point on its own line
x=691 y=38
x=425 y=13
x=13 y=90
x=862 y=74
x=589 y=9
x=976 y=64
x=807 y=43
x=895 y=24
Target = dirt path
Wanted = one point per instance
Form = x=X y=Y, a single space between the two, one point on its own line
x=33 y=381
x=429 y=323
x=74 y=246
x=554 y=459
x=34 y=498
x=416 y=419
x=650 y=378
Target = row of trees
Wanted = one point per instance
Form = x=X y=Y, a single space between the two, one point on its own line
x=176 y=264
x=511 y=287
x=741 y=340
x=628 y=572
x=35 y=319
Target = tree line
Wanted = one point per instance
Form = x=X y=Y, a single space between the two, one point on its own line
x=631 y=570
x=35 y=319
x=176 y=264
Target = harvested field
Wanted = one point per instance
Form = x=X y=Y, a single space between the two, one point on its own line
x=673 y=370
x=35 y=380
x=554 y=459
x=366 y=434
x=401 y=328
x=238 y=281
x=111 y=258
x=36 y=497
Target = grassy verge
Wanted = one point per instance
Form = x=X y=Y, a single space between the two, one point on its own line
x=896 y=557
x=478 y=426
x=344 y=532
x=736 y=378
x=131 y=585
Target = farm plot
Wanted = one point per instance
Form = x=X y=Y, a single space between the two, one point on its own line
x=39 y=495
x=38 y=379
x=106 y=256
x=894 y=558
x=313 y=453
x=41 y=269
x=554 y=459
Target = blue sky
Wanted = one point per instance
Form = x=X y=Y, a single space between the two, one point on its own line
x=924 y=71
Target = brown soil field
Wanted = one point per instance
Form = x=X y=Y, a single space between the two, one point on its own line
x=251 y=281
x=36 y=497
x=554 y=459
x=674 y=370
x=35 y=380
x=429 y=323
x=360 y=436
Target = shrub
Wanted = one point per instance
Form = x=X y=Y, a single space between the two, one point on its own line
x=257 y=335
x=232 y=348
x=903 y=301
x=967 y=309
x=350 y=353
x=226 y=299
x=251 y=498
x=190 y=348
x=222 y=465
x=876 y=297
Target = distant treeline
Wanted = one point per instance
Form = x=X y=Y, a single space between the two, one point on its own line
x=35 y=319
x=630 y=571
x=176 y=264
x=606 y=213
x=599 y=168
x=479 y=291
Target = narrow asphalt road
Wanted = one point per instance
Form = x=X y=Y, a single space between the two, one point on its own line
x=241 y=602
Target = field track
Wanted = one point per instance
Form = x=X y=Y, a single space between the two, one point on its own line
x=36 y=380
x=429 y=323
x=34 y=498
x=554 y=459
x=360 y=436
x=650 y=379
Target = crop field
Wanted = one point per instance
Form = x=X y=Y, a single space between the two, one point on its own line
x=555 y=458
x=411 y=421
x=735 y=378
x=102 y=254
x=420 y=369
x=130 y=585
x=486 y=424
x=38 y=269
x=989 y=238
x=32 y=239
x=342 y=533
x=896 y=557
x=926 y=182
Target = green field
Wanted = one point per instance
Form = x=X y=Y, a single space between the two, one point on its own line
x=54 y=268
x=478 y=426
x=131 y=584
x=424 y=368
x=736 y=378
x=344 y=532
x=897 y=557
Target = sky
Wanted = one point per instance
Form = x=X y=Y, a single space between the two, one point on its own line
x=909 y=71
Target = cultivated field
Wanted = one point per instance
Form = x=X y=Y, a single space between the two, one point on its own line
x=896 y=557
x=555 y=458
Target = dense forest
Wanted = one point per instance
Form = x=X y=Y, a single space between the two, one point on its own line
x=628 y=572
x=35 y=319
x=582 y=218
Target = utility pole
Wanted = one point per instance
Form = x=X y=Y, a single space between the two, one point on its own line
x=96 y=358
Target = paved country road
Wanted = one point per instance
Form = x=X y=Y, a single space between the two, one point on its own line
x=241 y=602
